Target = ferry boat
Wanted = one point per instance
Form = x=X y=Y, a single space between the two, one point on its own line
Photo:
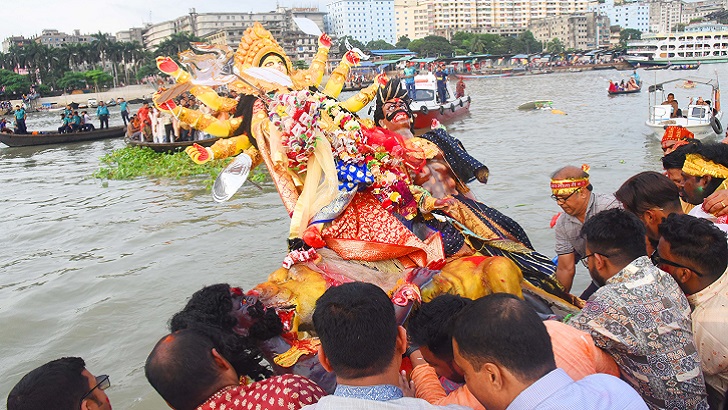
x=679 y=48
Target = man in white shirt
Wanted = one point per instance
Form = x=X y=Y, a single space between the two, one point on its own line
x=505 y=352
x=694 y=251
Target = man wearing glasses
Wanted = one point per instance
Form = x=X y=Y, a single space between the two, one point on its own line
x=572 y=191
x=61 y=384
x=694 y=251
x=639 y=315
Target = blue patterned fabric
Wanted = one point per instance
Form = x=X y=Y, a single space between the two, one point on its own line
x=352 y=176
x=381 y=392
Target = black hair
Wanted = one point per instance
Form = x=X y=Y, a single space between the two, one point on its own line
x=182 y=370
x=698 y=241
x=393 y=89
x=676 y=159
x=718 y=153
x=502 y=329
x=648 y=190
x=244 y=110
x=209 y=312
x=617 y=234
x=357 y=328
x=58 y=384
x=432 y=324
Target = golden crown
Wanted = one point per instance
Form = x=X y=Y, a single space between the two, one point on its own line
x=256 y=43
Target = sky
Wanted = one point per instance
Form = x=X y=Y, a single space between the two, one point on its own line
x=28 y=18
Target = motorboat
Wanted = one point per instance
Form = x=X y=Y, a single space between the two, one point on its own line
x=426 y=106
x=703 y=120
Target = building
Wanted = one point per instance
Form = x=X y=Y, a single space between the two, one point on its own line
x=55 y=38
x=695 y=11
x=228 y=28
x=363 y=20
x=579 y=31
x=130 y=36
x=665 y=15
x=705 y=27
x=419 y=18
x=634 y=15
x=13 y=41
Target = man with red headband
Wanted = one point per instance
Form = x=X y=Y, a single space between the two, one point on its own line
x=675 y=136
x=572 y=191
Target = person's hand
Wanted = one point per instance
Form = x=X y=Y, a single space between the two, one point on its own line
x=199 y=154
x=716 y=203
x=407 y=386
x=444 y=203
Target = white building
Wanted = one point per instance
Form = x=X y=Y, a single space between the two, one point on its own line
x=364 y=20
x=635 y=15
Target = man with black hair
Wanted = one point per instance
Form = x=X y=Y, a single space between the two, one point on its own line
x=362 y=344
x=187 y=370
x=704 y=173
x=639 y=315
x=507 y=357
x=573 y=192
x=695 y=253
x=61 y=384
x=651 y=197
x=431 y=327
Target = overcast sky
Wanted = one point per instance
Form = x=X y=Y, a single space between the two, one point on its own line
x=28 y=18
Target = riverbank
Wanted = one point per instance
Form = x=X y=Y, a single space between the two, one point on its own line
x=128 y=93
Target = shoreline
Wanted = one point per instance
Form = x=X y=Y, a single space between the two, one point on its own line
x=128 y=93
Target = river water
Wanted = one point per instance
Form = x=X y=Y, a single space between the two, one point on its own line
x=96 y=268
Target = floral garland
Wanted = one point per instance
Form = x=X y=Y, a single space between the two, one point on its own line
x=296 y=115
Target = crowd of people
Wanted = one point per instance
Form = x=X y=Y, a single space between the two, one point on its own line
x=652 y=333
x=150 y=124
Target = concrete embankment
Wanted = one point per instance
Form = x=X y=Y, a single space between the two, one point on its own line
x=128 y=93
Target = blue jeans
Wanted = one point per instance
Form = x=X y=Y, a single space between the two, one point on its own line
x=411 y=89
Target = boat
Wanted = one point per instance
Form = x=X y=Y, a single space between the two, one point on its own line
x=679 y=48
x=684 y=66
x=426 y=107
x=658 y=67
x=48 y=138
x=701 y=120
x=165 y=147
x=620 y=92
x=536 y=105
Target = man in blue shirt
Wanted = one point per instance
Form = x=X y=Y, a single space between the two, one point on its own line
x=362 y=344
x=75 y=122
x=124 y=110
x=20 y=120
x=409 y=79
x=504 y=350
x=103 y=113
x=441 y=77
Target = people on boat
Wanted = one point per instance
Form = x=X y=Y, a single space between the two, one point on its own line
x=671 y=101
x=701 y=101
x=86 y=123
x=460 y=88
x=409 y=78
x=123 y=109
x=506 y=354
x=636 y=77
x=133 y=129
x=441 y=79
x=65 y=127
x=613 y=87
x=4 y=128
x=20 y=116
x=75 y=122
x=145 y=121
x=60 y=383
x=102 y=112
x=626 y=316
x=632 y=85
x=573 y=193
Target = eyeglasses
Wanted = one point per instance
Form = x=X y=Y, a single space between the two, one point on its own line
x=102 y=382
x=585 y=260
x=560 y=199
x=658 y=260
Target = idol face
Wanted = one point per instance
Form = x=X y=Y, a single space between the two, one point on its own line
x=275 y=62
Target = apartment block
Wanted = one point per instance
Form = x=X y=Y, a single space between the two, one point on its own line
x=579 y=31
x=634 y=15
x=364 y=20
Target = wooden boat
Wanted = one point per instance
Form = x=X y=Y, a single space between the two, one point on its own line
x=685 y=66
x=171 y=147
x=48 y=138
x=536 y=105
x=657 y=67
x=620 y=92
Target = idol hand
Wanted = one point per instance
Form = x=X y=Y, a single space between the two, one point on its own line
x=324 y=40
x=199 y=154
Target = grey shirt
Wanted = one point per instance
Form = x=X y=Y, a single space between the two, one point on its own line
x=568 y=228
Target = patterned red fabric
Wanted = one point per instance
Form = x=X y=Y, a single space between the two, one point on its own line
x=287 y=392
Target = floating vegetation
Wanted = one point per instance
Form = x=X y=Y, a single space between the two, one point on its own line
x=135 y=162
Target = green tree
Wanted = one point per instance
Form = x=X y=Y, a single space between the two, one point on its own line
x=72 y=80
x=379 y=45
x=175 y=44
x=14 y=83
x=529 y=42
x=628 y=34
x=99 y=78
x=555 y=46
x=300 y=65
x=403 y=42
x=678 y=27
x=432 y=46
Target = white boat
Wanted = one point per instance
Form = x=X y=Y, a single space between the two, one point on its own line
x=426 y=107
x=701 y=120
x=679 y=48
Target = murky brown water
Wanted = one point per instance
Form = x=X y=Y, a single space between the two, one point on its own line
x=96 y=269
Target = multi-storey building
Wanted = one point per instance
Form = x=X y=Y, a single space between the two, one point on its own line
x=13 y=41
x=228 y=28
x=364 y=20
x=579 y=31
x=634 y=15
x=665 y=15
x=419 y=18
x=55 y=38
x=132 y=35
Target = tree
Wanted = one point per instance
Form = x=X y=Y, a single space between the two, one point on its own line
x=14 y=83
x=403 y=42
x=628 y=34
x=72 y=80
x=434 y=46
x=300 y=65
x=99 y=77
x=529 y=42
x=379 y=45
x=679 y=27
x=555 y=46
x=175 y=44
